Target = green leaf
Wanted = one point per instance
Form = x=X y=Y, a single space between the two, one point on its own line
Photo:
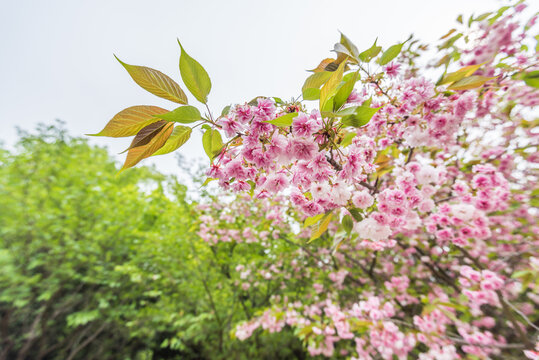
x=320 y=227
x=470 y=82
x=349 y=45
x=207 y=181
x=344 y=92
x=330 y=87
x=482 y=16
x=179 y=136
x=284 y=120
x=498 y=14
x=520 y=273
x=360 y=117
x=390 y=54
x=81 y=318
x=311 y=93
x=311 y=87
x=345 y=112
x=194 y=76
x=356 y=214
x=342 y=50
x=449 y=42
x=459 y=74
x=328 y=106
x=347 y=223
x=184 y=115
x=370 y=53
x=347 y=139
x=155 y=82
x=532 y=78
x=212 y=143
x=130 y=121
x=454 y=306
x=254 y=102
x=225 y=111
x=312 y=220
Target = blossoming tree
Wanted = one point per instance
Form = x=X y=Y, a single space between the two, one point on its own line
x=413 y=175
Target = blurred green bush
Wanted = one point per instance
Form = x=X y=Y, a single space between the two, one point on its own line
x=96 y=265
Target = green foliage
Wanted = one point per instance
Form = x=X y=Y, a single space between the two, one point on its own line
x=103 y=266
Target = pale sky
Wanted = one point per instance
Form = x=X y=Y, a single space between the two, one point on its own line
x=56 y=57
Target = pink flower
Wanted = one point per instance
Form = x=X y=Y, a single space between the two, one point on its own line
x=301 y=149
x=275 y=183
x=303 y=126
x=392 y=69
x=362 y=199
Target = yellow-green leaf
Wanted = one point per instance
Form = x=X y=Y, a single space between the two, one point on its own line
x=448 y=34
x=361 y=116
x=179 y=136
x=284 y=120
x=311 y=87
x=349 y=45
x=390 y=54
x=347 y=139
x=184 y=115
x=531 y=79
x=194 y=76
x=470 y=82
x=460 y=74
x=138 y=153
x=320 y=227
x=370 y=53
x=347 y=223
x=312 y=220
x=155 y=82
x=345 y=90
x=130 y=121
x=330 y=87
x=212 y=143
x=207 y=181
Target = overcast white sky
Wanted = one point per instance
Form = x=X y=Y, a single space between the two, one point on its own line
x=56 y=57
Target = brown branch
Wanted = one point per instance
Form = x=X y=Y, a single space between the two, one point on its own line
x=87 y=341
x=410 y=154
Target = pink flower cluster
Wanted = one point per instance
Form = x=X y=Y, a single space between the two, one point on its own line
x=433 y=225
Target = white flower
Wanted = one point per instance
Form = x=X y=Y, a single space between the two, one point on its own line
x=340 y=194
x=463 y=211
x=370 y=229
x=320 y=191
x=427 y=175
